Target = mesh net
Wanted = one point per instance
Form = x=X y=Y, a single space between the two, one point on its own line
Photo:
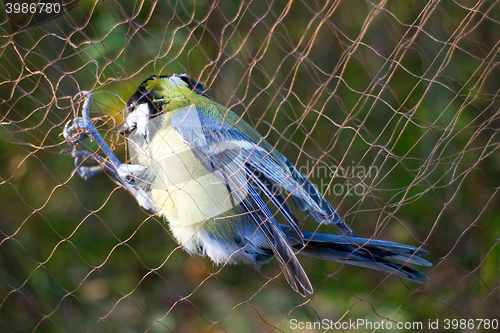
x=390 y=108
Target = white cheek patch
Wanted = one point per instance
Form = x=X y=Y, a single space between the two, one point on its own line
x=139 y=118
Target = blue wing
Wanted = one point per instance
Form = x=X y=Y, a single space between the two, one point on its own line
x=221 y=152
x=268 y=171
x=247 y=169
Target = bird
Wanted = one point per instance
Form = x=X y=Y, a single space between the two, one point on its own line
x=214 y=179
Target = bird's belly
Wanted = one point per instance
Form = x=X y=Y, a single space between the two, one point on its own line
x=203 y=216
x=183 y=190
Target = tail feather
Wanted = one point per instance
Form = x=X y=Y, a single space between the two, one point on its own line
x=369 y=253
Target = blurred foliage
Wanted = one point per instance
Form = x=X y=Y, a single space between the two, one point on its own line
x=409 y=89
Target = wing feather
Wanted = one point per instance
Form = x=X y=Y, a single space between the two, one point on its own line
x=225 y=160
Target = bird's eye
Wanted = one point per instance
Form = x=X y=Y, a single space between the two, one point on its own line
x=195 y=86
x=186 y=80
x=130 y=107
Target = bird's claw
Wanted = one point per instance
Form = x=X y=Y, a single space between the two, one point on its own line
x=81 y=127
x=75 y=131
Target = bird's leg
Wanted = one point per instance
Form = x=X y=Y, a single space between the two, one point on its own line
x=89 y=171
x=80 y=128
x=125 y=174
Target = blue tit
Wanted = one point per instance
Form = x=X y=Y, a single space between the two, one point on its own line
x=214 y=178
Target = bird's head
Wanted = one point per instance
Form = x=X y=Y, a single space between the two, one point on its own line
x=159 y=94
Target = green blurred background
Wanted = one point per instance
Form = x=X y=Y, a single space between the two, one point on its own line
x=409 y=89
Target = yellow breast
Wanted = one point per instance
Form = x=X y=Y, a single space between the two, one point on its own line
x=183 y=191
